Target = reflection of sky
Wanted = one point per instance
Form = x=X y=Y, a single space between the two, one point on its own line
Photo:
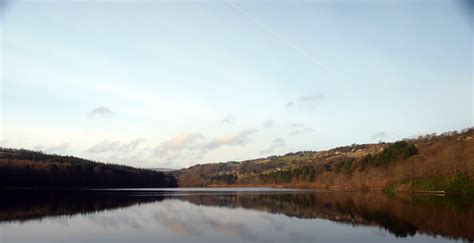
x=178 y=221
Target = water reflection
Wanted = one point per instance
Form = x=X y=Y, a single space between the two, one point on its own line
x=235 y=216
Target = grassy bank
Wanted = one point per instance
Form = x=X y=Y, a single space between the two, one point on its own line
x=457 y=183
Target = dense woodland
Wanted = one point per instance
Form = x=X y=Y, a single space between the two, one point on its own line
x=24 y=168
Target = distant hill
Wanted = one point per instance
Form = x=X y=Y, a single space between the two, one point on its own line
x=428 y=163
x=24 y=168
x=162 y=169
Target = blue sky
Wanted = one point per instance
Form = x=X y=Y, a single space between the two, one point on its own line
x=174 y=83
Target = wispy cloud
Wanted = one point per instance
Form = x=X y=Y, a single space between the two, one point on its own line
x=306 y=101
x=100 y=112
x=379 y=135
x=186 y=148
x=138 y=157
x=62 y=147
x=104 y=146
x=268 y=123
x=300 y=128
x=278 y=36
x=182 y=149
x=179 y=143
x=289 y=104
x=277 y=143
x=240 y=138
x=229 y=119
x=310 y=99
x=115 y=146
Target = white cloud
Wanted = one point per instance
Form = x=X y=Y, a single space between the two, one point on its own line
x=179 y=143
x=229 y=119
x=100 y=112
x=179 y=149
x=115 y=146
x=311 y=98
x=289 y=104
x=187 y=148
x=268 y=123
x=58 y=148
x=277 y=143
x=299 y=128
x=240 y=138
x=379 y=135
x=307 y=101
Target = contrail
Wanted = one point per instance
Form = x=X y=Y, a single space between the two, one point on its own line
x=275 y=34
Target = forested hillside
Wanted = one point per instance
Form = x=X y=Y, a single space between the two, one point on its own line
x=428 y=163
x=24 y=168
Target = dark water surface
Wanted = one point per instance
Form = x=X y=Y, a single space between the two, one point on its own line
x=231 y=215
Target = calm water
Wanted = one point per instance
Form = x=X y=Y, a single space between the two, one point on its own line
x=231 y=215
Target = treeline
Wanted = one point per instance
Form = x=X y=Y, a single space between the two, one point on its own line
x=223 y=179
x=24 y=168
x=301 y=174
x=397 y=151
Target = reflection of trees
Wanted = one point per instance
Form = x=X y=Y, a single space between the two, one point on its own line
x=402 y=216
x=23 y=205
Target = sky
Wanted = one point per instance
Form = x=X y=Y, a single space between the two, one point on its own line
x=176 y=83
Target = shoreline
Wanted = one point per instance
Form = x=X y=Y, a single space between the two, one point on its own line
x=340 y=188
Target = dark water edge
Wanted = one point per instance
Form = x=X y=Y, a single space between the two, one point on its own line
x=401 y=215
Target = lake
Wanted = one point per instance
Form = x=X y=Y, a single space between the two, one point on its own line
x=231 y=215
